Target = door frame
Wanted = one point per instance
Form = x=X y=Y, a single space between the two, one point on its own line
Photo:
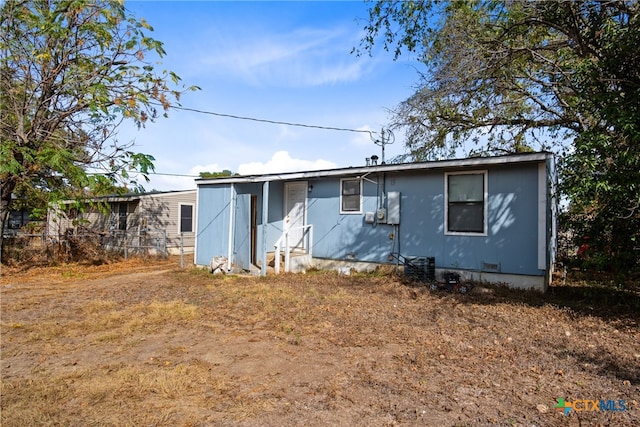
x=254 y=228
x=286 y=198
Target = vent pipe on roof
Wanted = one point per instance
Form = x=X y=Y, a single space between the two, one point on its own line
x=374 y=160
x=368 y=160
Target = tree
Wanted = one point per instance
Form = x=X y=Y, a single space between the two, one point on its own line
x=224 y=173
x=503 y=77
x=71 y=71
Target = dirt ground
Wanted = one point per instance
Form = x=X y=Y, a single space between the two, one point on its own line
x=148 y=344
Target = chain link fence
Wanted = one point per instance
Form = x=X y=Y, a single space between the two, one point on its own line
x=143 y=243
x=84 y=246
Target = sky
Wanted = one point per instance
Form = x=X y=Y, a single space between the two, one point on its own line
x=279 y=61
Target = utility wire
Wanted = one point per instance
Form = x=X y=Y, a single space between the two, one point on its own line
x=172 y=174
x=276 y=122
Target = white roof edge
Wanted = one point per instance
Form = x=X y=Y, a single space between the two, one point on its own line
x=438 y=164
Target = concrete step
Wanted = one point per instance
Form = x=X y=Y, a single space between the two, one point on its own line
x=298 y=261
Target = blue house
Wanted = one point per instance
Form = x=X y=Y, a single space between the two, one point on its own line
x=486 y=218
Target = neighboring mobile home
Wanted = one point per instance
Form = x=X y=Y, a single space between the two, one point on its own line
x=19 y=217
x=485 y=218
x=156 y=221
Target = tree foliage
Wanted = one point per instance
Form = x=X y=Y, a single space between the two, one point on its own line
x=222 y=174
x=70 y=72
x=512 y=76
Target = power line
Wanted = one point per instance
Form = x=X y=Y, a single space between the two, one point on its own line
x=171 y=174
x=146 y=173
x=276 y=122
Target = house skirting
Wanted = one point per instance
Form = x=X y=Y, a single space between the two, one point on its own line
x=301 y=264
x=515 y=281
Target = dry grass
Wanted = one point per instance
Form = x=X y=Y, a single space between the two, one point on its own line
x=136 y=344
x=110 y=395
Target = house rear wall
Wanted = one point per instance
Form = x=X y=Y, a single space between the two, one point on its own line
x=510 y=245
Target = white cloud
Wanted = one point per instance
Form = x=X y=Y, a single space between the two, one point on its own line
x=169 y=183
x=303 y=57
x=281 y=161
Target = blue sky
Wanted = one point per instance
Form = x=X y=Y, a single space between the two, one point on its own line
x=280 y=61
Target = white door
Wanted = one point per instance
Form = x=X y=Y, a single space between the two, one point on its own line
x=242 y=232
x=295 y=211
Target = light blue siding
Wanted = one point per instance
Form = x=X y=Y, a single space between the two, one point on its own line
x=276 y=215
x=511 y=240
x=214 y=202
x=345 y=236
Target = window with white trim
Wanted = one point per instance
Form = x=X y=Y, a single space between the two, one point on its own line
x=186 y=218
x=350 y=195
x=466 y=203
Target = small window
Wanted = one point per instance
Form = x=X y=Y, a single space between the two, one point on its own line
x=186 y=218
x=122 y=216
x=350 y=196
x=466 y=203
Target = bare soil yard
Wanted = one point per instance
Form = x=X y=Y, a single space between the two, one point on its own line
x=147 y=344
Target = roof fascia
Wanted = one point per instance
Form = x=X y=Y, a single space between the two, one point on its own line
x=128 y=197
x=362 y=170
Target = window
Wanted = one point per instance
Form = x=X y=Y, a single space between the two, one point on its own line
x=186 y=218
x=118 y=216
x=122 y=216
x=350 y=195
x=466 y=203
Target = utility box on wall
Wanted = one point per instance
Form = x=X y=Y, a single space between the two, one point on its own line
x=393 y=207
x=369 y=218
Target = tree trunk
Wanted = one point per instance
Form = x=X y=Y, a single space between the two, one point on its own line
x=6 y=189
